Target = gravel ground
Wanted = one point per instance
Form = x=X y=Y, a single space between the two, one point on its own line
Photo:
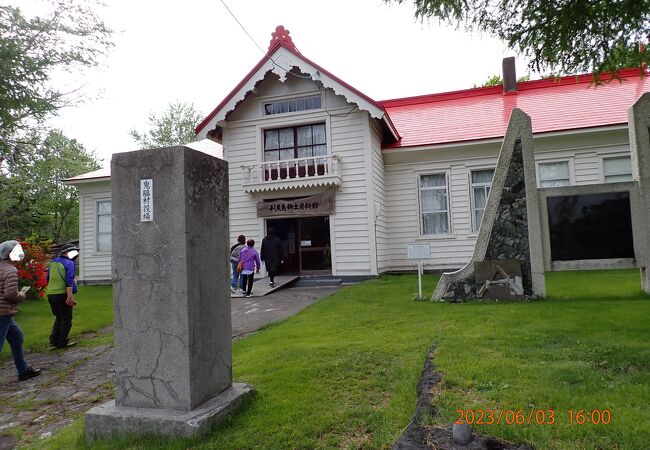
x=75 y=379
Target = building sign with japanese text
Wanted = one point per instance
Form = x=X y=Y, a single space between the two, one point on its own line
x=316 y=205
x=146 y=200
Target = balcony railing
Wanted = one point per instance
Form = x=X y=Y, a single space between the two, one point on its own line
x=288 y=173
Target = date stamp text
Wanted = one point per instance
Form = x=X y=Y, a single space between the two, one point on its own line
x=532 y=416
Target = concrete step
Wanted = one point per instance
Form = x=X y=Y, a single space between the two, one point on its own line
x=317 y=281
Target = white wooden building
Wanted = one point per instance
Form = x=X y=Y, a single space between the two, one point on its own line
x=347 y=182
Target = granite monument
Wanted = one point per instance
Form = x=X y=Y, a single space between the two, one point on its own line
x=172 y=325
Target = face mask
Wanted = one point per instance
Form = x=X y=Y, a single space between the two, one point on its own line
x=17 y=253
x=72 y=254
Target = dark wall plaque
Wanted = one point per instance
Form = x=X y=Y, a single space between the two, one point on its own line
x=316 y=205
x=590 y=226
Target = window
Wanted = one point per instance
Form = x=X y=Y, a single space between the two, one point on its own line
x=295 y=142
x=481 y=182
x=554 y=174
x=104 y=226
x=293 y=105
x=434 y=207
x=617 y=169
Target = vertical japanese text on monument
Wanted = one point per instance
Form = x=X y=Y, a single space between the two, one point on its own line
x=146 y=200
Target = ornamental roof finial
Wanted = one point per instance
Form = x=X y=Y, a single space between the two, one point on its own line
x=281 y=35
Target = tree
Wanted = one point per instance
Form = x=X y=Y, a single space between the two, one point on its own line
x=33 y=200
x=496 y=80
x=175 y=126
x=561 y=36
x=68 y=37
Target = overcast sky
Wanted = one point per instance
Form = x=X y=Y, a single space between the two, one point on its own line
x=193 y=51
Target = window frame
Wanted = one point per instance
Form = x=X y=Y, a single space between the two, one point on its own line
x=266 y=101
x=568 y=161
x=616 y=156
x=475 y=226
x=295 y=147
x=97 y=232
x=421 y=212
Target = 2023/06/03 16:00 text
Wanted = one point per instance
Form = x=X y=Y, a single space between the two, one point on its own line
x=532 y=416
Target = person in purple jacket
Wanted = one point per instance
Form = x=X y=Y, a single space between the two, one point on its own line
x=251 y=263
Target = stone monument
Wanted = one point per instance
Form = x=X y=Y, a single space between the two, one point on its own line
x=639 y=128
x=172 y=325
x=510 y=229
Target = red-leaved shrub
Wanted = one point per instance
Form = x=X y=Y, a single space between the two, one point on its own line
x=32 y=270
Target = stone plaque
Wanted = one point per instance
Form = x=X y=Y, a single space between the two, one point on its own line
x=146 y=200
x=316 y=205
x=499 y=279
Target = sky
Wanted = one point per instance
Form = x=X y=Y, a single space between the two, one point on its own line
x=194 y=51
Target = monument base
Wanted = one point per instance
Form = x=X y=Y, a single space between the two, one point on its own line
x=107 y=420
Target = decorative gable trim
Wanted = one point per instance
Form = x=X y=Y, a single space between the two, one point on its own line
x=282 y=57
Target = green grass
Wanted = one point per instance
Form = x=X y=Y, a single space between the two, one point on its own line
x=93 y=312
x=342 y=373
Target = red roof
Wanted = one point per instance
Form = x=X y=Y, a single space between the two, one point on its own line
x=567 y=103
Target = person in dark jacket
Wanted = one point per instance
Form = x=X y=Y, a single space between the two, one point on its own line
x=10 y=253
x=271 y=254
x=61 y=287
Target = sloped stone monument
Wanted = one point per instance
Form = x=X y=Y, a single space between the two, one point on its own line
x=510 y=229
x=639 y=128
x=172 y=326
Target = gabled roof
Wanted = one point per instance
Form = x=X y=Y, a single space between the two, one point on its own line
x=282 y=57
x=104 y=174
x=567 y=103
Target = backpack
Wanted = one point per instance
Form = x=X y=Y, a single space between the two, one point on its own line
x=234 y=249
x=56 y=283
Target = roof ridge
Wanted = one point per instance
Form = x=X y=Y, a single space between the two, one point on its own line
x=498 y=89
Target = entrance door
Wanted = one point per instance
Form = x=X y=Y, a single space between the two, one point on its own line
x=315 y=250
x=287 y=231
x=305 y=245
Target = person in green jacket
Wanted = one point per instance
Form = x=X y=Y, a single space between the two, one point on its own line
x=61 y=287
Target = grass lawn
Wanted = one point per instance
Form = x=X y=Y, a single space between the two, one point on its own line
x=93 y=311
x=342 y=373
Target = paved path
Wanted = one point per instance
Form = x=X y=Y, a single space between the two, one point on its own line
x=251 y=314
x=261 y=286
x=74 y=380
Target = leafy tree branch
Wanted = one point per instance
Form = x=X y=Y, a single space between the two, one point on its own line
x=175 y=126
x=560 y=36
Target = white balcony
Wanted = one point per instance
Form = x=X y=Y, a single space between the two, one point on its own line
x=291 y=174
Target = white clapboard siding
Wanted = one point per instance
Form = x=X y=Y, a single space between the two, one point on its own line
x=93 y=265
x=348 y=137
x=585 y=153
x=403 y=217
x=379 y=204
x=240 y=148
x=351 y=233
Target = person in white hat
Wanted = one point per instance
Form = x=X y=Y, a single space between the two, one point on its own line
x=61 y=287
x=10 y=253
